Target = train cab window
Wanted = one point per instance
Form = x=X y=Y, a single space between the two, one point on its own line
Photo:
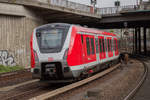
x=51 y=38
x=92 y=45
x=100 y=45
x=82 y=38
x=103 y=45
x=88 y=45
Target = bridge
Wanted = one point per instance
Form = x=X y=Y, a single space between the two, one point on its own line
x=18 y=18
x=57 y=11
x=70 y=12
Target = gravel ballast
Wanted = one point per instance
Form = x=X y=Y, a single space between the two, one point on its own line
x=16 y=77
x=114 y=86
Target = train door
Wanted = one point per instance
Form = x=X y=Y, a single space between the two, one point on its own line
x=116 y=46
x=90 y=48
x=106 y=47
x=83 y=48
x=97 y=48
x=110 y=49
x=102 y=54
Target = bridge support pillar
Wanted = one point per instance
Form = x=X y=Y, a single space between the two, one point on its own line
x=139 y=38
x=136 y=35
x=133 y=41
x=144 y=38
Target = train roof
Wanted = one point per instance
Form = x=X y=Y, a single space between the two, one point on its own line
x=79 y=28
x=92 y=30
x=54 y=24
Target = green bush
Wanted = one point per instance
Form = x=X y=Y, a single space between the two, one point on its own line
x=4 y=69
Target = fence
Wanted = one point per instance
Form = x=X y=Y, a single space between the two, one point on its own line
x=115 y=10
x=68 y=4
x=86 y=8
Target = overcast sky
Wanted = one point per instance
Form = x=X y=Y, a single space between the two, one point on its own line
x=107 y=3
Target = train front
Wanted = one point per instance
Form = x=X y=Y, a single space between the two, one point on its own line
x=49 y=48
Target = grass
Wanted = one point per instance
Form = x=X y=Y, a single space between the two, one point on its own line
x=5 y=69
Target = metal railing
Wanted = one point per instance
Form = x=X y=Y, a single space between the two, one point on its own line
x=68 y=4
x=72 y=5
x=89 y=9
x=115 y=10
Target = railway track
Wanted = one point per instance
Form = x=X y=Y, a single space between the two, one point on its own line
x=24 y=93
x=64 y=89
x=133 y=92
x=36 y=90
x=12 y=78
x=47 y=92
x=20 y=95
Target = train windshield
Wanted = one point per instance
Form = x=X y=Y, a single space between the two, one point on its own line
x=51 y=40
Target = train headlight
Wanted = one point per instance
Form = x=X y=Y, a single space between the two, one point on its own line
x=36 y=58
x=65 y=58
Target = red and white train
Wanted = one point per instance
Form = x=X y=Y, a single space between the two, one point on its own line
x=63 y=52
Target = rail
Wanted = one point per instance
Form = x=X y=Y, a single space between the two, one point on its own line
x=85 y=81
x=87 y=8
x=115 y=10
x=133 y=92
x=79 y=7
x=68 y=4
x=74 y=85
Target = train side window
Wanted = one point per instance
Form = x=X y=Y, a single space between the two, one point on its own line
x=92 y=45
x=103 y=45
x=100 y=45
x=106 y=45
x=96 y=43
x=114 y=45
x=88 y=46
x=82 y=38
x=110 y=45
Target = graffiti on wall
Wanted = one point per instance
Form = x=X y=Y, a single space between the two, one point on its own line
x=6 y=59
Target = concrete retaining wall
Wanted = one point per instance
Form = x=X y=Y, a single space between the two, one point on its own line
x=16 y=26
